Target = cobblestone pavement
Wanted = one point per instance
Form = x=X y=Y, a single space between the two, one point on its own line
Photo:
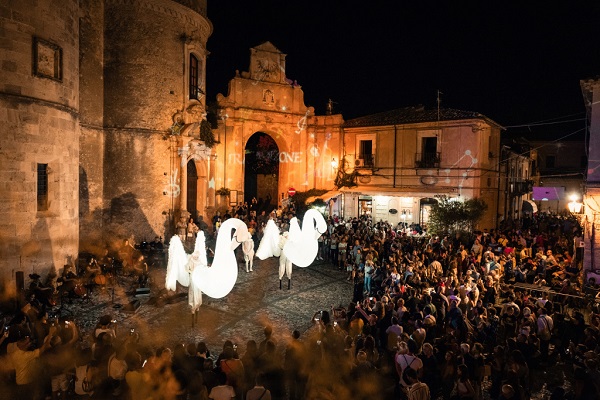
x=254 y=302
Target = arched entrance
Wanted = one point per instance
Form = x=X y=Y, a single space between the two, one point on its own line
x=261 y=175
x=192 y=189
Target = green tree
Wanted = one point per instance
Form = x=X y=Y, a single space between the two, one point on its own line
x=300 y=198
x=454 y=216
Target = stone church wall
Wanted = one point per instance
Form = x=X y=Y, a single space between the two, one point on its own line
x=145 y=87
x=39 y=96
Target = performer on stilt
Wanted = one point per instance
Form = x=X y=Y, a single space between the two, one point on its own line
x=194 y=292
x=248 y=249
x=285 y=265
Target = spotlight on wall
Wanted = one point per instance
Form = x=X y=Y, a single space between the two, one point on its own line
x=334 y=163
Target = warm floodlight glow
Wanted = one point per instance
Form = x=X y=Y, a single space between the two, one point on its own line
x=575 y=207
x=269 y=244
x=218 y=280
x=573 y=197
x=334 y=164
x=302 y=246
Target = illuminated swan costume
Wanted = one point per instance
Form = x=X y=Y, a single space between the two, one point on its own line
x=299 y=247
x=302 y=245
x=192 y=270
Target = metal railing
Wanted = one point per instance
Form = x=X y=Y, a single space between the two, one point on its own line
x=427 y=160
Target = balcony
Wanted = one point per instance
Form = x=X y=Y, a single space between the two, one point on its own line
x=427 y=160
x=365 y=161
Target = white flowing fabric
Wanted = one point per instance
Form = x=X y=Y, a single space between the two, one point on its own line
x=181 y=265
x=176 y=266
x=269 y=244
x=218 y=280
x=302 y=245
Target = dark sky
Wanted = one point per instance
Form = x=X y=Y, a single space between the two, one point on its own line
x=517 y=62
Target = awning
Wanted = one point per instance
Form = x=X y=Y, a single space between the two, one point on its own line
x=402 y=192
x=325 y=196
x=529 y=205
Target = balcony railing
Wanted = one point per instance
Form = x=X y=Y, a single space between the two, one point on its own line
x=427 y=160
x=365 y=161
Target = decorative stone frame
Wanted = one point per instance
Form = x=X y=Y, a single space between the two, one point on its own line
x=47 y=59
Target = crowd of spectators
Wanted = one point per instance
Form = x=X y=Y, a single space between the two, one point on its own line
x=431 y=317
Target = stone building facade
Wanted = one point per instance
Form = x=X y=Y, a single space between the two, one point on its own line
x=264 y=101
x=591 y=201
x=101 y=108
x=100 y=104
x=403 y=158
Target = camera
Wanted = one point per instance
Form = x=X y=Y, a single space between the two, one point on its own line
x=370 y=298
x=6 y=328
x=114 y=321
x=335 y=323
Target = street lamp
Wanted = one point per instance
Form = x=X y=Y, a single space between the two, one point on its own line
x=574 y=205
x=334 y=164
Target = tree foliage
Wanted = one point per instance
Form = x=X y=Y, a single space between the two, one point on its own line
x=300 y=198
x=453 y=216
x=206 y=134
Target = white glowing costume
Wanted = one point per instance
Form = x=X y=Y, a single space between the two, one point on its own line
x=181 y=266
x=248 y=248
x=215 y=281
x=285 y=265
x=269 y=244
x=302 y=245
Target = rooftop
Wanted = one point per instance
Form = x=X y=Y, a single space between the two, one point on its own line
x=409 y=115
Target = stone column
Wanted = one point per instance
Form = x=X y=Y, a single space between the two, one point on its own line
x=183 y=175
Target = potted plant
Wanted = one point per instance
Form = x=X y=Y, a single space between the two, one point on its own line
x=222 y=198
x=223 y=191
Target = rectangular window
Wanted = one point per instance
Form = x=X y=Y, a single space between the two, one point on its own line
x=429 y=155
x=194 y=78
x=366 y=152
x=42 y=187
x=550 y=161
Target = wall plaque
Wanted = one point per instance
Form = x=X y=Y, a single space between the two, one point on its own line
x=47 y=59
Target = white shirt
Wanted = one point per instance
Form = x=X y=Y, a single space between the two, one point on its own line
x=406 y=360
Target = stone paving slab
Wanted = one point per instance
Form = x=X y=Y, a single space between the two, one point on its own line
x=255 y=301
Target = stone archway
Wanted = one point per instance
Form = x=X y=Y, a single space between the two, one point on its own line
x=192 y=189
x=261 y=172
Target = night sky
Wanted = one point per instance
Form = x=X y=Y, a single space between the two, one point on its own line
x=517 y=62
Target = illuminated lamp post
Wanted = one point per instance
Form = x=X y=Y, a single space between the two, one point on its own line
x=575 y=206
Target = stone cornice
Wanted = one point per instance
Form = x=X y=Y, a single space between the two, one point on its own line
x=173 y=10
x=46 y=103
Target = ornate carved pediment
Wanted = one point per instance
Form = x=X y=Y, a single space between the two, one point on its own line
x=267 y=63
x=196 y=112
x=194 y=149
